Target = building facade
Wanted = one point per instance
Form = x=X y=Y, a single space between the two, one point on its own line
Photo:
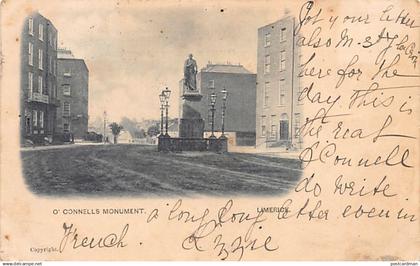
x=38 y=95
x=278 y=113
x=73 y=93
x=240 y=106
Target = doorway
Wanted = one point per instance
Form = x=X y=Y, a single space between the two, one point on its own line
x=284 y=127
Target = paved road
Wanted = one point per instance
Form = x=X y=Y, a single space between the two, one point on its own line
x=136 y=170
x=63 y=146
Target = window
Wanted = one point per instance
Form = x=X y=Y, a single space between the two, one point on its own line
x=40 y=57
x=282 y=60
x=67 y=72
x=273 y=129
x=35 y=118
x=31 y=26
x=297 y=124
x=266 y=93
x=282 y=92
x=54 y=90
x=41 y=31
x=66 y=90
x=28 y=125
x=40 y=87
x=66 y=127
x=267 y=62
x=49 y=64
x=49 y=87
x=283 y=35
x=50 y=39
x=267 y=40
x=30 y=83
x=211 y=84
x=41 y=119
x=66 y=109
x=31 y=53
x=263 y=125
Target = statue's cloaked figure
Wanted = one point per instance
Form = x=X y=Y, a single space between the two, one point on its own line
x=190 y=72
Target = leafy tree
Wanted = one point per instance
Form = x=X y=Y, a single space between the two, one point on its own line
x=153 y=130
x=140 y=134
x=130 y=125
x=116 y=130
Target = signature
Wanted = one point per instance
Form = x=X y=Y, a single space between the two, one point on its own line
x=79 y=241
x=209 y=236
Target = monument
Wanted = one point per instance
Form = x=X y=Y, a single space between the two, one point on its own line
x=191 y=125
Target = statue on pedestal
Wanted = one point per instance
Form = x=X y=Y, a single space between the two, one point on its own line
x=190 y=73
x=191 y=125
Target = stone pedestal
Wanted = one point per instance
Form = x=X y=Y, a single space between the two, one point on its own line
x=213 y=144
x=191 y=125
x=223 y=144
x=191 y=128
x=164 y=143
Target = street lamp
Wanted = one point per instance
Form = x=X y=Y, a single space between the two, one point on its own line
x=162 y=107
x=224 y=98
x=213 y=97
x=167 y=93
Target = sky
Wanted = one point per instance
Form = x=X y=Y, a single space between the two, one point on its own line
x=134 y=49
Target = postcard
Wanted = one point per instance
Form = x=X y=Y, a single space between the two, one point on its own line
x=209 y=130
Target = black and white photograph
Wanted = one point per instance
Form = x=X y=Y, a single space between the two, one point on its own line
x=135 y=120
x=139 y=131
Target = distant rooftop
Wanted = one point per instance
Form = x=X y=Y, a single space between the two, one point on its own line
x=225 y=68
x=64 y=53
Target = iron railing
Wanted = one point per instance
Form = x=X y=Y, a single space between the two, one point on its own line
x=191 y=144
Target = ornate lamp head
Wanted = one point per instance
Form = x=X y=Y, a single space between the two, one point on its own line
x=162 y=98
x=213 y=97
x=224 y=94
x=166 y=93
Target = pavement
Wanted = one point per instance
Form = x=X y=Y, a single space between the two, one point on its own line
x=272 y=152
x=62 y=146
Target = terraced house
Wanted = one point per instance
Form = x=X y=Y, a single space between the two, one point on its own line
x=278 y=112
x=73 y=93
x=38 y=95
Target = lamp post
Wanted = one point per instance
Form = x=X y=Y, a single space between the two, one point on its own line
x=162 y=107
x=224 y=98
x=213 y=97
x=167 y=94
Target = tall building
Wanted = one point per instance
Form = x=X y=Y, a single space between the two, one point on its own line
x=240 y=108
x=38 y=97
x=278 y=114
x=73 y=92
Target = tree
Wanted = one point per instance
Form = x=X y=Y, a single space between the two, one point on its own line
x=129 y=124
x=153 y=130
x=116 y=130
x=140 y=134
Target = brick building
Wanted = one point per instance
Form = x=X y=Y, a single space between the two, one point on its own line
x=38 y=93
x=240 y=112
x=73 y=92
x=278 y=114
